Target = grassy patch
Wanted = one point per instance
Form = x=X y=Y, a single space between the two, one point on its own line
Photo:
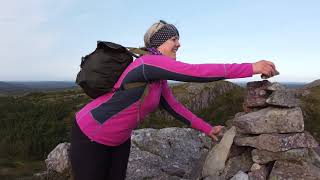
x=224 y=107
x=15 y=169
x=311 y=111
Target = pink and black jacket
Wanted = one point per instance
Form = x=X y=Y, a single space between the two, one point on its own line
x=111 y=118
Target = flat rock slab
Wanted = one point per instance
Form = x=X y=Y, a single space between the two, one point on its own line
x=283 y=98
x=270 y=120
x=278 y=142
x=263 y=156
x=294 y=171
x=217 y=156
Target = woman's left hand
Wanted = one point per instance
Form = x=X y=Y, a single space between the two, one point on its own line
x=215 y=132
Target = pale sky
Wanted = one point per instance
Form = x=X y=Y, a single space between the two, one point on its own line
x=45 y=39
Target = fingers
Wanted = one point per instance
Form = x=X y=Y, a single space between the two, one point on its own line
x=266 y=67
x=215 y=138
x=268 y=70
x=270 y=64
x=217 y=129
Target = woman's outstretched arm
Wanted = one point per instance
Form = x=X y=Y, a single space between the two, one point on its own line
x=180 y=112
x=157 y=67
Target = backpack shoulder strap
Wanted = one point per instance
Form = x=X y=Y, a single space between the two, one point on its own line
x=139 y=51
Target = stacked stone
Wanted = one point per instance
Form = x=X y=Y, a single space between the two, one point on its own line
x=272 y=127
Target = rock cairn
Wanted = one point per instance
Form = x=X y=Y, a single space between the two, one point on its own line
x=269 y=140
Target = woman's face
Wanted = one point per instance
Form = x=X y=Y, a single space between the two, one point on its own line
x=170 y=47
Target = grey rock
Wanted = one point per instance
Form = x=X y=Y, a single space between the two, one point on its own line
x=174 y=169
x=258 y=172
x=270 y=120
x=58 y=164
x=294 y=171
x=257 y=94
x=167 y=153
x=229 y=122
x=143 y=164
x=238 y=150
x=314 y=157
x=278 y=142
x=239 y=114
x=58 y=158
x=275 y=86
x=213 y=177
x=237 y=163
x=283 y=98
x=215 y=161
x=263 y=156
x=255 y=166
x=240 y=176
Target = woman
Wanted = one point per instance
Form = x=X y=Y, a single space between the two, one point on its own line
x=100 y=145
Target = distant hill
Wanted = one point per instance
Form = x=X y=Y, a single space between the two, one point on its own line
x=12 y=88
x=21 y=87
x=312 y=84
x=291 y=85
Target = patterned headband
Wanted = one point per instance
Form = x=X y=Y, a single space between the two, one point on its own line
x=162 y=35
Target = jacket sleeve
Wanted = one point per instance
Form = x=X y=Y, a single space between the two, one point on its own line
x=179 y=111
x=158 y=67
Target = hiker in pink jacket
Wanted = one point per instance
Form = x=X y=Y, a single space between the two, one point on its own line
x=101 y=142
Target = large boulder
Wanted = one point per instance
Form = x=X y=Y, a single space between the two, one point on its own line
x=271 y=120
x=167 y=153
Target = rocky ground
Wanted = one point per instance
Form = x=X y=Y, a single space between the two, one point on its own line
x=265 y=142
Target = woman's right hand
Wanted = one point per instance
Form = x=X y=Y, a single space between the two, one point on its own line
x=264 y=67
x=215 y=131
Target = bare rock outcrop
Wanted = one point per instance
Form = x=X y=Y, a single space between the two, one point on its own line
x=168 y=153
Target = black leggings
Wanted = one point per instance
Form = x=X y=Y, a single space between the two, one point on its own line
x=94 y=161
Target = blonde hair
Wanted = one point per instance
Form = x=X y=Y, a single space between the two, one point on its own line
x=153 y=29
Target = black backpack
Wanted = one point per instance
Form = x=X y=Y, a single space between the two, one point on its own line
x=101 y=69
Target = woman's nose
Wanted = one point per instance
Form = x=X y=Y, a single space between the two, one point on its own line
x=178 y=43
